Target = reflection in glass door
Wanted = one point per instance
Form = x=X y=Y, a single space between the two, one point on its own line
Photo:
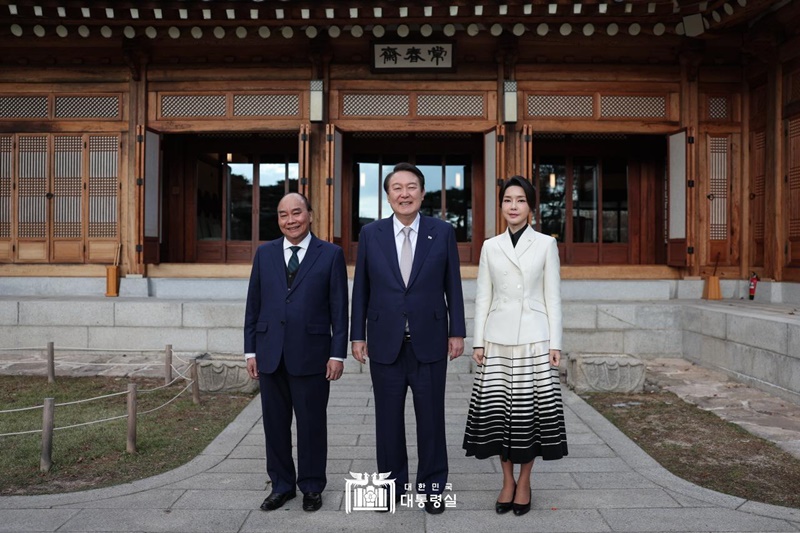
x=580 y=200
x=448 y=190
x=229 y=185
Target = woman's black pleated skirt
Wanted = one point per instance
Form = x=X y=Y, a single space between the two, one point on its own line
x=515 y=410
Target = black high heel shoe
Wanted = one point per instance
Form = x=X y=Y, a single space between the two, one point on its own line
x=520 y=509
x=504 y=507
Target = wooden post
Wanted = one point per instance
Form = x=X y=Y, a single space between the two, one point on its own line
x=131 y=446
x=51 y=363
x=195 y=384
x=168 y=364
x=48 y=419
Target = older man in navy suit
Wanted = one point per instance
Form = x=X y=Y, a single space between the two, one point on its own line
x=295 y=341
x=407 y=317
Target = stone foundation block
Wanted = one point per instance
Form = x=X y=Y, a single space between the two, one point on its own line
x=224 y=373
x=605 y=373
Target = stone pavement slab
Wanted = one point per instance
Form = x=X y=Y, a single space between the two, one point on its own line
x=607 y=483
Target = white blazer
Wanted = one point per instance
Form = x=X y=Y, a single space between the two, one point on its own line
x=518 y=298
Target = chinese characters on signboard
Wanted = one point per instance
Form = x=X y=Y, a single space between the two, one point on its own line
x=405 y=56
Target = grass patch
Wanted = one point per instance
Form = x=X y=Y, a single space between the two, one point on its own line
x=94 y=456
x=700 y=447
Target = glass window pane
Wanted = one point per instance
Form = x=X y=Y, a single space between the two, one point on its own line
x=552 y=196
x=240 y=198
x=209 y=198
x=366 y=199
x=615 y=200
x=431 y=168
x=584 y=200
x=293 y=176
x=458 y=197
x=271 y=186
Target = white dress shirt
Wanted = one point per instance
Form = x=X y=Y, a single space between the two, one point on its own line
x=399 y=237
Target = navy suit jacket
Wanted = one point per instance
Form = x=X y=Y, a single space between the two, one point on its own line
x=433 y=302
x=305 y=323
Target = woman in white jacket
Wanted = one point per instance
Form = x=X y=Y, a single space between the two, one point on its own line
x=515 y=410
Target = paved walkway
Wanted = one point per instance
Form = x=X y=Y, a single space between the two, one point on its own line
x=606 y=484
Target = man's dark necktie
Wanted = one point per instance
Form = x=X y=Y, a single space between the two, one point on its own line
x=294 y=261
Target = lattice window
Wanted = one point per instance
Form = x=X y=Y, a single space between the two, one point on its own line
x=718 y=188
x=599 y=136
x=633 y=106
x=794 y=181
x=553 y=105
x=32 y=183
x=454 y=105
x=378 y=105
x=103 y=185
x=718 y=108
x=759 y=168
x=87 y=107
x=23 y=107
x=794 y=86
x=211 y=105
x=67 y=186
x=266 y=105
x=6 y=147
x=549 y=136
x=443 y=135
x=380 y=135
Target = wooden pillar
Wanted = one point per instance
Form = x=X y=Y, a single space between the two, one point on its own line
x=746 y=233
x=131 y=198
x=318 y=172
x=774 y=230
x=690 y=64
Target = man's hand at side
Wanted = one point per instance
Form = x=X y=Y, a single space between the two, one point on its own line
x=455 y=347
x=252 y=368
x=334 y=370
x=359 y=349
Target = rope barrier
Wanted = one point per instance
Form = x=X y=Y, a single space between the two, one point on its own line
x=92 y=399
x=21 y=409
x=134 y=350
x=159 y=388
x=20 y=433
x=140 y=413
x=178 y=372
x=92 y=422
x=168 y=402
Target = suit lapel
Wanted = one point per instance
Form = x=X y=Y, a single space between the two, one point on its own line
x=508 y=248
x=525 y=241
x=278 y=261
x=389 y=247
x=312 y=254
x=425 y=239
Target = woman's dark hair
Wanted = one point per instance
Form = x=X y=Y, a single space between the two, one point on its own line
x=408 y=167
x=519 y=181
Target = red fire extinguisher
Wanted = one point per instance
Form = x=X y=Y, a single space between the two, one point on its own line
x=753 y=283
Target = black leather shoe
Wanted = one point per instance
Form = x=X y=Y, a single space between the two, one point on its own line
x=522 y=508
x=276 y=500
x=431 y=508
x=504 y=507
x=312 y=501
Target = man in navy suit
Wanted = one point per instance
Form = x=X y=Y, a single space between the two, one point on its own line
x=295 y=341
x=407 y=317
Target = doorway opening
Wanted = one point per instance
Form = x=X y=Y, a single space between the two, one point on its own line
x=221 y=192
x=453 y=168
x=602 y=196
